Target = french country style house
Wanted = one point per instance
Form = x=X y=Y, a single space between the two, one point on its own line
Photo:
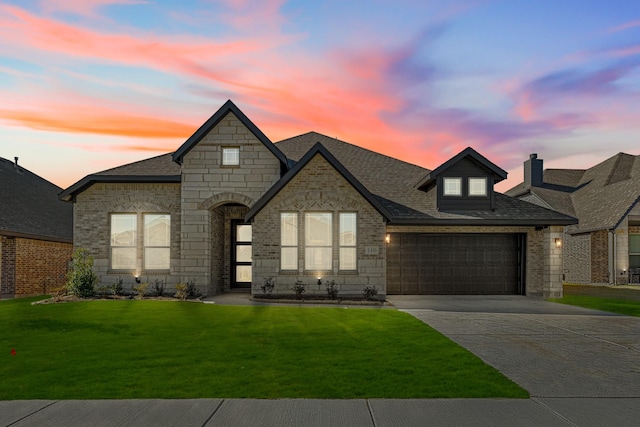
x=229 y=209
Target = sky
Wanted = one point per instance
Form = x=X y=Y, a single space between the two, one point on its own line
x=86 y=85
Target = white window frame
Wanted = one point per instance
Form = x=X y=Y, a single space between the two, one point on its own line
x=447 y=190
x=289 y=242
x=347 y=245
x=228 y=159
x=116 y=246
x=148 y=246
x=472 y=193
x=318 y=255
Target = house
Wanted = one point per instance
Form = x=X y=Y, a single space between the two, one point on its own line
x=229 y=209
x=604 y=247
x=35 y=233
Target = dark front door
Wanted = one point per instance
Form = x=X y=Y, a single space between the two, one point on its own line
x=463 y=264
x=240 y=254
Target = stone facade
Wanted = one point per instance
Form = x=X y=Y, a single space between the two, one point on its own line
x=577 y=258
x=320 y=188
x=91 y=215
x=207 y=184
x=31 y=266
x=599 y=257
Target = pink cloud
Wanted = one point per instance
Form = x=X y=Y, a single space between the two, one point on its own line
x=83 y=7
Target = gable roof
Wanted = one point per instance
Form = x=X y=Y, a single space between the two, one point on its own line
x=227 y=107
x=393 y=183
x=498 y=173
x=600 y=197
x=317 y=149
x=29 y=206
x=156 y=169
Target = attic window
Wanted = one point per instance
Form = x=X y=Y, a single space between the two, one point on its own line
x=452 y=186
x=477 y=186
x=230 y=156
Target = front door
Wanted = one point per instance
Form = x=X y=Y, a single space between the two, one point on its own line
x=240 y=254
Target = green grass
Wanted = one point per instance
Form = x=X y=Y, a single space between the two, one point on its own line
x=614 y=305
x=157 y=349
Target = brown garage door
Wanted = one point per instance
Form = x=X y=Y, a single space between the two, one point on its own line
x=463 y=264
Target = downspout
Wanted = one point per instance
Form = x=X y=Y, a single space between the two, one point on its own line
x=613 y=257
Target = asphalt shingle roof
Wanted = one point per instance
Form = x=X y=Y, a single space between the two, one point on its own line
x=393 y=182
x=29 y=206
x=600 y=197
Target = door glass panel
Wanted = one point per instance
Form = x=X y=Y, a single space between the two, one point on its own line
x=243 y=233
x=243 y=273
x=243 y=253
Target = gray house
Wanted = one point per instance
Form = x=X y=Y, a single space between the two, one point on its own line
x=230 y=208
x=604 y=247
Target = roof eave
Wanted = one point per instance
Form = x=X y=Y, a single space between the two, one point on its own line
x=482 y=222
x=70 y=193
x=46 y=238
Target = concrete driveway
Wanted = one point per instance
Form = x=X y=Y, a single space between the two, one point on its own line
x=552 y=350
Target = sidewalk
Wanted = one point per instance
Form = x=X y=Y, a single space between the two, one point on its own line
x=316 y=412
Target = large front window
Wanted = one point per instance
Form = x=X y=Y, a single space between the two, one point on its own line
x=348 y=241
x=634 y=250
x=289 y=241
x=123 y=241
x=157 y=238
x=318 y=230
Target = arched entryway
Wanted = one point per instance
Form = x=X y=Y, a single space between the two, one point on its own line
x=231 y=250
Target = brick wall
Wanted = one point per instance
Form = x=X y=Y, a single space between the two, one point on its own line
x=319 y=187
x=92 y=226
x=577 y=258
x=8 y=277
x=33 y=267
x=599 y=257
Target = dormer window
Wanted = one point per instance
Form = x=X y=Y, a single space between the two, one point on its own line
x=452 y=186
x=477 y=186
x=230 y=156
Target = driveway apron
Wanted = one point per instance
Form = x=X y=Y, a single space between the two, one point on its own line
x=551 y=350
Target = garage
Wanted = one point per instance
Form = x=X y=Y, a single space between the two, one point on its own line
x=455 y=264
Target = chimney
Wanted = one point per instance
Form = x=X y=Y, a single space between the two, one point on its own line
x=533 y=171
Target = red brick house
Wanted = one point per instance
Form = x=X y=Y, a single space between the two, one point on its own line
x=35 y=233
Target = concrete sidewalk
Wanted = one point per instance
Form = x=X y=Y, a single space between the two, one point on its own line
x=316 y=412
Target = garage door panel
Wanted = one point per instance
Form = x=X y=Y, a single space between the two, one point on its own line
x=453 y=264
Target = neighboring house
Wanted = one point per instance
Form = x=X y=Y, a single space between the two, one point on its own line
x=604 y=247
x=229 y=208
x=35 y=233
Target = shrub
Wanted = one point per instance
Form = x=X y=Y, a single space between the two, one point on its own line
x=299 y=289
x=141 y=289
x=370 y=292
x=186 y=290
x=332 y=289
x=268 y=285
x=81 y=279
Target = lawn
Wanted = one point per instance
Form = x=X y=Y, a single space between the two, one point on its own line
x=620 y=300
x=160 y=349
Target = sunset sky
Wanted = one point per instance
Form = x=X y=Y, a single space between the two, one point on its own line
x=86 y=85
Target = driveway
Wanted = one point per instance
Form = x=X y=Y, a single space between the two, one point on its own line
x=551 y=350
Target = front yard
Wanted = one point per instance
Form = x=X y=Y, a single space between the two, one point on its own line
x=159 y=349
x=622 y=300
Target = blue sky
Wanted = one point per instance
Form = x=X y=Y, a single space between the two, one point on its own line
x=86 y=85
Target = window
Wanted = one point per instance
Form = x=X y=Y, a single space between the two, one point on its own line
x=157 y=238
x=230 y=156
x=123 y=241
x=477 y=186
x=452 y=186
x=348 y=231
x=318 y=228
x=634 y=250
x=289 y=241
